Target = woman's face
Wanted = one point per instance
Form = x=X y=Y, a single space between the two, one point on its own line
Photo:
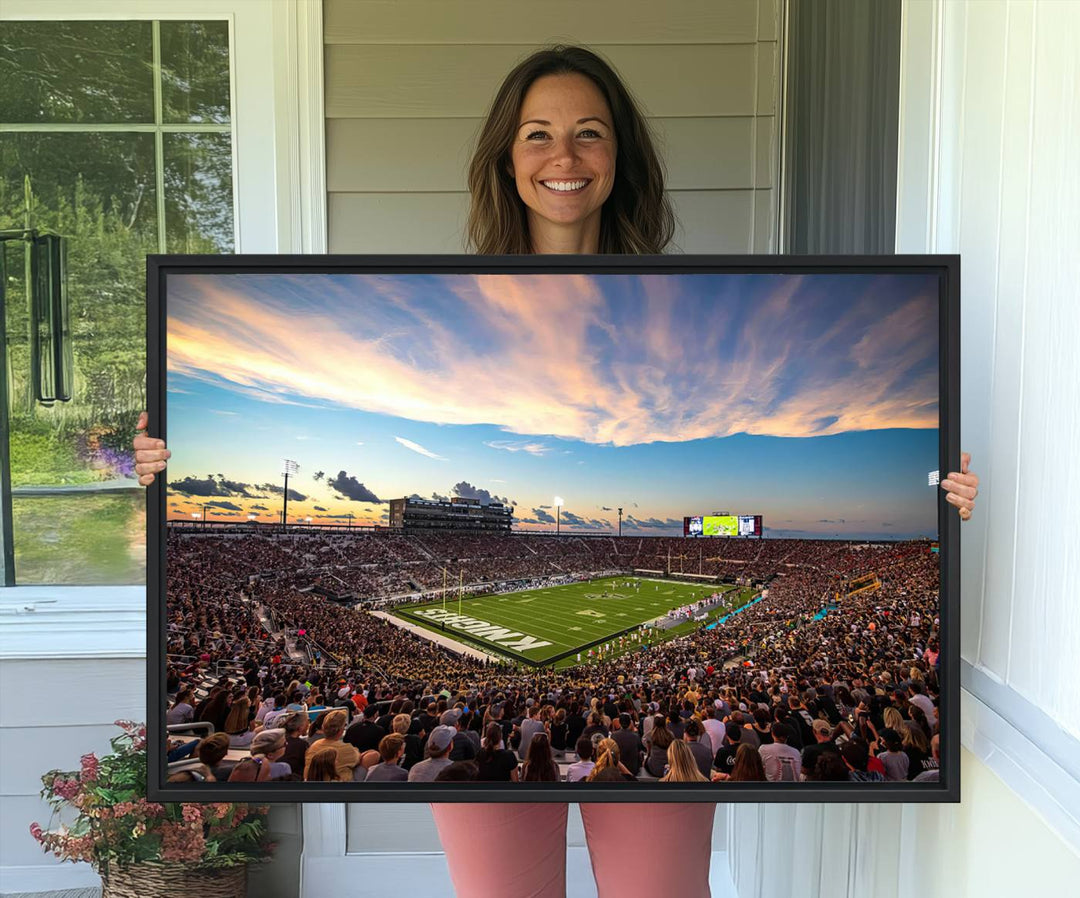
x=563 y=154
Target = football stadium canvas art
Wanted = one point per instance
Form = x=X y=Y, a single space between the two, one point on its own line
x=650 y=529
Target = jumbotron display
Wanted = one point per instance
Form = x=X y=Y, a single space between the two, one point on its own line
x=722 y=525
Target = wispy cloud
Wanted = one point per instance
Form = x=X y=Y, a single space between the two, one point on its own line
x=416 y=447
x=618 y=360
x=533 y=448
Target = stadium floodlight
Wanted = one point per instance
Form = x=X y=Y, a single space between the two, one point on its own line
x=290 y=467
x=558 y=503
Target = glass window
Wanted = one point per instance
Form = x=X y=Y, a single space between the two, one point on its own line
x=117 y=136
x=67 y=72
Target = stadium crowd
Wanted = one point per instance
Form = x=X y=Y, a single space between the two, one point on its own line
x=807 y=683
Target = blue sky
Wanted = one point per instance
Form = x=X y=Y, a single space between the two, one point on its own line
x=809 y=399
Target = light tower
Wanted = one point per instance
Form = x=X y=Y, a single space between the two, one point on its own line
x=620 y=522
x=558 y=511
x=291 y=467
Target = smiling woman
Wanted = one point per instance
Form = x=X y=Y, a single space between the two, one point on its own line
x=566 y=145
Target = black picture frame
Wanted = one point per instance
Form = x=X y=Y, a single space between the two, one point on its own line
x=947 y=269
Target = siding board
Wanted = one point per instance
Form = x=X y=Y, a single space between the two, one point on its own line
x=521 y=22
x=409 y=81
x=432 y=155
x=709 y=221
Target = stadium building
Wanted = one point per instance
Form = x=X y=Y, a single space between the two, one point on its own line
x=458 y=514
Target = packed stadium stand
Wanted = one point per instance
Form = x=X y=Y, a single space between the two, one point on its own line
x=831 y=675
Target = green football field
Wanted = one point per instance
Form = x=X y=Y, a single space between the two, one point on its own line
x=543 y=624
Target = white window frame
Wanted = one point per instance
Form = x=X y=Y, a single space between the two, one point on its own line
x=279 y=198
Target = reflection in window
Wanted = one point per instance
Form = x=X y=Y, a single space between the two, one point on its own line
x=147 y=168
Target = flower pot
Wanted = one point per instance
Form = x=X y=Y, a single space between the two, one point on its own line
x=173 y=881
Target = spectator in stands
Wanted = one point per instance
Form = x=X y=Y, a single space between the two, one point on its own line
x=212 y=751
x=348 y=758
x=608 y=757
x=457 y=772
x=895 y=760
x=466 y=741
x=782 y=762
x=200 y=773
x=575 y=724
x=269 y=745
x=530 y=726
x=559 y=731
x=681 y=765
x=437 y=755
x=270 y=719
x=296 y=746
x=823 y=743
x=238 y=725
x=748 y=766
x=631 y=748
x=916 y=747
x=182 y=710
x=657 y=743
x=216 y=709
x=414 y=745
x=539 y=766
x=713 y=723
x=581 y=768
x=749 y=734
x=389 y=770
x=829 y=767
x=702 y=753
x=250 y=770
x=801 y=718
x=856 y=755
x=724 y=759
x=322 y=767
x=931 y=767
x=366 y=734
x=496 y=763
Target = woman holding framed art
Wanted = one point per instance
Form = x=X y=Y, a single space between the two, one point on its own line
x=565 y=164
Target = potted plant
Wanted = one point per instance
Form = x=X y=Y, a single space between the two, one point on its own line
x=142 y=848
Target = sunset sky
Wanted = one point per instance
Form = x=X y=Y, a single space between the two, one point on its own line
x=808 y=399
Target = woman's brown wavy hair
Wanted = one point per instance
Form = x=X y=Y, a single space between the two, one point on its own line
x=637 y=216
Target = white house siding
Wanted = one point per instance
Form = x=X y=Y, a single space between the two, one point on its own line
x=408 y=83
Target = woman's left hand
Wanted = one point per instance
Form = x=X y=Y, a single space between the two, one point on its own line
x=962 y=487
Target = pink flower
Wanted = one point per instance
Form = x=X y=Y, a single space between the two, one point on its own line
x=65 y=788
x=192 y=813
x=37 y=832
x=89 y=767
x=181 y=842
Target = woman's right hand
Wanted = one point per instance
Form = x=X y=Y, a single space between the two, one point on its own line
x=150 y=453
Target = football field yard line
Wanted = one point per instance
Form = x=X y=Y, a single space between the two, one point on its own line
x=550 y=619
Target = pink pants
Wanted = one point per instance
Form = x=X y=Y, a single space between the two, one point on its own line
x=494 y=850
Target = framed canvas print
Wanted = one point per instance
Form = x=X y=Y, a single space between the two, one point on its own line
x=584 y=528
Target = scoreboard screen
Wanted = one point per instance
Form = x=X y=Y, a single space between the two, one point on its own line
x=722 y=525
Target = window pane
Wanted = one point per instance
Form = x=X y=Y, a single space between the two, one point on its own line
x=76 y=72
x=195 y=72
x=198 y=193
x=81 y=540
x=98 y=191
